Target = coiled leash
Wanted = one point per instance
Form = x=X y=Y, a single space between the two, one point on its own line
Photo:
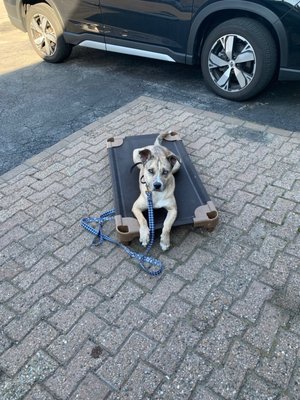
x=142 y=258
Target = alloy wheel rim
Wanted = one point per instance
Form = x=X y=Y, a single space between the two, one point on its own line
x=43 y=34
x=232 y=63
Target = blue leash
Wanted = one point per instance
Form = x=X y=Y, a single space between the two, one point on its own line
x=101 y=237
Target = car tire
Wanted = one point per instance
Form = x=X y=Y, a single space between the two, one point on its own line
x=238 y=59
x=46 y=33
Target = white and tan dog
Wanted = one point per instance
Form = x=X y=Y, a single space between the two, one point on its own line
x=157 y=165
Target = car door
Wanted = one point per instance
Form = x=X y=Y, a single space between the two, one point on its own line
x=154 y=26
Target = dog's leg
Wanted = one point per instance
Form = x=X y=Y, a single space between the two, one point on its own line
x=165 y=235
x=137 y=209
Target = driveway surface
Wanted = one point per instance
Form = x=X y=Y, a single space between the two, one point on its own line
x=80 y=322
x=41 y=103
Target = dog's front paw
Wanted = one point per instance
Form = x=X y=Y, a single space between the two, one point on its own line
x=144 y=235
x=165 y=241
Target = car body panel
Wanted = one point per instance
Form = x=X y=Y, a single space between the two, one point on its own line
x=161 y=23
x=78 y=14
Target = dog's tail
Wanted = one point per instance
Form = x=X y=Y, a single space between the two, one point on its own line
x=161 y=136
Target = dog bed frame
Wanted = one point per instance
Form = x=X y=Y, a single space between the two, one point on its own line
x=193 y=203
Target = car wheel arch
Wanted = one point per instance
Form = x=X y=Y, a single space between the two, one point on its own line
x=22 y=4
x=246 y=8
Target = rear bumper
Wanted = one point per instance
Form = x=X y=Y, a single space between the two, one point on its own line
x=286 y=74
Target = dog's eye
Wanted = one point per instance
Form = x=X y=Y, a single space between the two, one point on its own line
x=165 y=172
x=151 y=171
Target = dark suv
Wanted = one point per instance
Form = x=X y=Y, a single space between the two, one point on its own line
x=241 y=45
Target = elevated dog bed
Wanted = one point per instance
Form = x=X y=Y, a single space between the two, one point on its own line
x=193 y=202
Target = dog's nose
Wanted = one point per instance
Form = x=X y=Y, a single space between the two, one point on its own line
x=157 y=185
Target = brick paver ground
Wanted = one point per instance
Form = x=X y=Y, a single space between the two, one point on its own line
x=222 y=321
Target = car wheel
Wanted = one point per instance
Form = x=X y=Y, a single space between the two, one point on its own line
x=46 y=33
x=238 y=59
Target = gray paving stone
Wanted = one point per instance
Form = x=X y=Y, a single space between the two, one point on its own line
x=224 y=235
x=294 y=323
x=91 y=388
x=279 y=211
x=67 y=271
x=26 y=278
x=5 y=343
x=66 y=345
x=228 y=380
x=167 y=356
x=15 y=357
x=250 y=306
x=257 y=389
x=198 y=290
x=19 y=327
x=7 y=290
x=23 y=301
x=230 y=189
x=202 y=392
x=193 y=369
x=183 y=250
x=215 y=344
x=289 y=230
x=268 y=197
x=27 y=258
x=265 y=255
x=155 y=300
x=20 y=205
x=294 y=385
x=277 y=275
x=64 y=318
x=194 y=264
x=38 y=393
x=141 y=383
x=6 y=315
x=36 y=370
x=233 y=255
x=239 y=277
x=256 y=235
x=159 y=328
x=293 y=194
x=65 y=380
x=208 y=313
x=14 y=234
x=111 y=308
x=115 y=370
x=279 y=367
x=108 y=286
x=112 y=337
x=287 y=180
x=17 y=219
x=263 y=334
x=246 y=218
x=67 y=252
x=289 y=298
x=293 y=247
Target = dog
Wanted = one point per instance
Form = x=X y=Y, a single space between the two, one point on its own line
x=157 y=168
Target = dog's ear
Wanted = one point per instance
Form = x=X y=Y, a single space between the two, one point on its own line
x=175 y=162
x=145 y=155
x=172 y=160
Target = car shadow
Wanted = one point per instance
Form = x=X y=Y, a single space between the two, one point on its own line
x=43 y=103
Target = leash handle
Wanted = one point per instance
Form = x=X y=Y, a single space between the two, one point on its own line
x=143 y=258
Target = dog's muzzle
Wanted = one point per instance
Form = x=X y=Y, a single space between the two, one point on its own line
x=157 y=186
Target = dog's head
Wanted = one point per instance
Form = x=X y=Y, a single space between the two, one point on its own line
x=159 y=164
